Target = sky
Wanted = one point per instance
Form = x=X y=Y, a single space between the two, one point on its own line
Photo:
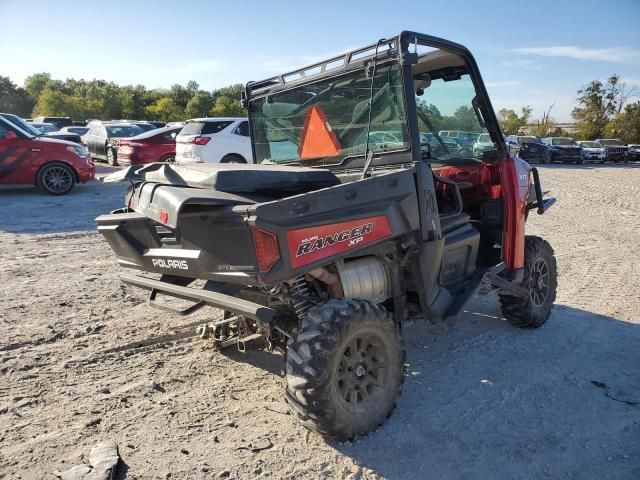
x=529 y=52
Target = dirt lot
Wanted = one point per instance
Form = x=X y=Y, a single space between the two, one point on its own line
x=83 y=359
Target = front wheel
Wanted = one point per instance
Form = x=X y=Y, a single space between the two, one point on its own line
x=344 y=368
x=540 y=279
x=56 y=178
x=111 y=157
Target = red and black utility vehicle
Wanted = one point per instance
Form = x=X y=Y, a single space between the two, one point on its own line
x=53 y=165
x=357 y=218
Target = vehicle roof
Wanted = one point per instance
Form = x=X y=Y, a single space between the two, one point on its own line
x=216 y=119
x=42 y=124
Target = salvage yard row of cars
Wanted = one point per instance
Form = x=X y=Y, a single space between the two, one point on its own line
x=55 y=153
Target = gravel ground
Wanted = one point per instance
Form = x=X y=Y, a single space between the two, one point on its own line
x=84 y=360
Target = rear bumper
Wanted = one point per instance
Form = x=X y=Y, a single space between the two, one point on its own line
x=214 y=299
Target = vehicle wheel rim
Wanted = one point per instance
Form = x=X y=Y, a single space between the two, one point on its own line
x=362 y=373
x=539 y=282
x=57 y=179
x=110 y=157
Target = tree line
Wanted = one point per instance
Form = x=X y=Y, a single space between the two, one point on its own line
x=98 y=99
x=602 y=110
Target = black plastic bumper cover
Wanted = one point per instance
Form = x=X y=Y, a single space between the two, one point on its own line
x=214 y=299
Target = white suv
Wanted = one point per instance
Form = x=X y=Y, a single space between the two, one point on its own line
x=214 y=140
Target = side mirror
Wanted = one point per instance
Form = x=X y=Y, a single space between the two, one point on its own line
x=10 y=135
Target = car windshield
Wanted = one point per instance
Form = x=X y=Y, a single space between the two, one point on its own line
x=610 y=142
x=46 y=127
x=563 y=141
x=78 y=130
x=124 y=131
x=484 y=138
x=590 y=145
x=328 y=120
x=528 y=140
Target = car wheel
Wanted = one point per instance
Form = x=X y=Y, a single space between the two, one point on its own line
x=56 y=178
x=232 y=158
x=168 y=159
x=111 y=157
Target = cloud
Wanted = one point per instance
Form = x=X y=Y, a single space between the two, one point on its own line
x=631 y=82
x=503 y=83
x=522 y=64
x=615 y=54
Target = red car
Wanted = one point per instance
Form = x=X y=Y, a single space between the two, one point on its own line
x=157 y=145
x=53 y=165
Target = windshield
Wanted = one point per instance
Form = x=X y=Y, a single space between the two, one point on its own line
x=590 y=145
x=447 y=119
x=328 y=119
x=610 y=142
x=563 y=141
x=46 y=127
x=124 y=131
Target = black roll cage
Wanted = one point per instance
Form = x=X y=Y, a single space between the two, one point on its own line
x=392 y=49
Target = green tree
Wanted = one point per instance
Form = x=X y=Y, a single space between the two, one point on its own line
x=227 y=102
x=199 y=105
x=14 y=99
x=626 y=125
x=165 y=109
x=597 y=104
x=511 y=122
x=52 y=103
x=465 y=119
x=36 y=83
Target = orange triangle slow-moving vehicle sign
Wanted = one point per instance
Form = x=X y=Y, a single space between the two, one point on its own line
x=317 y=138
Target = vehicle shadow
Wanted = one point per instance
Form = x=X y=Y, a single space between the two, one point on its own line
x=28 y=210
x=484 y=400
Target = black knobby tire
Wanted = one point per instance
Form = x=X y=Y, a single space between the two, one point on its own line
x=56 y=178
x=233 y=158
x=112 y=158
x=344 y=368
x=541 y=279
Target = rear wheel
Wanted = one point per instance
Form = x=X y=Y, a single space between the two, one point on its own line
x=233 y=158
x=540 y=279
x=111 y=157
x=56 y=178
x=344 y=368
x=168 y=159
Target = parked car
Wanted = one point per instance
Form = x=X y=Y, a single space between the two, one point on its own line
x=615 y=148
x=75 y=129
x=633 y=151
x=592 y=152
x=529 y=148
x=102 y=139
x=175 y=124
x=79 y=123
x=158 y=145
x=53 y=165
x=37 y=132
x=144 y=125
x=158 y=124
x=57 y=121
x=214 y=140
x=563 y=149
x=483 y=144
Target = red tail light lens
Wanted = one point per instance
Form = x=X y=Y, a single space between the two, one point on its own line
x=267 y=250
x=199 y=140
x=164 y=216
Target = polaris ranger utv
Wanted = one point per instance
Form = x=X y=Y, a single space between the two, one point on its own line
x=356 y=217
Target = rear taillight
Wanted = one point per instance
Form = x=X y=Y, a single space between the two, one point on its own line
x=199 y=140
x=136 y=144
x=267 y=250
x=164 y=216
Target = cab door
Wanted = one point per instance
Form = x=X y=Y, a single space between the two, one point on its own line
x=15 y=156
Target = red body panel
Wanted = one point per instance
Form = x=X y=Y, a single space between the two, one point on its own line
x=21 y=159
x=514 y=177
x=308 y=245
x=148 y=150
